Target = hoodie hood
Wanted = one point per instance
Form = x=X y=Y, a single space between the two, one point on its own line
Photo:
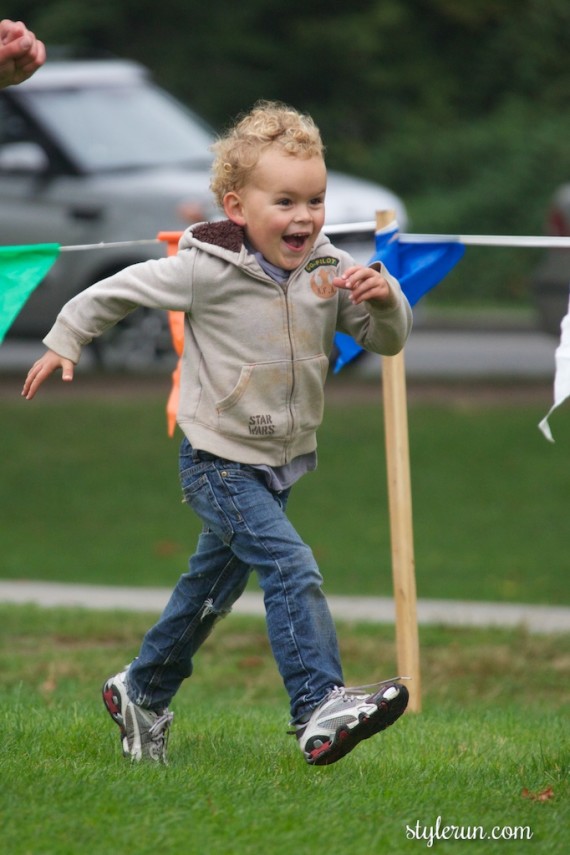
x=223 y=236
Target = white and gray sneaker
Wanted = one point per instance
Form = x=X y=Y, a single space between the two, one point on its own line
x=144 y=733
x=346 y=716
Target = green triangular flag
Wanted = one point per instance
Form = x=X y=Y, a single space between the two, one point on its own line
x=22 y=268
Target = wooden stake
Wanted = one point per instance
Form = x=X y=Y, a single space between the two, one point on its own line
x=400 y=509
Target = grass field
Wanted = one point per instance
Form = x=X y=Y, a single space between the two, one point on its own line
x=489 y=752
x=89 y=492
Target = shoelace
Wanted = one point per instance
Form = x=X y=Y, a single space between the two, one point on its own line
x=357 y=691
x=161 y=724
x=348 y=694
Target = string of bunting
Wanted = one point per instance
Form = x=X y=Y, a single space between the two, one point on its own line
x=420 y=261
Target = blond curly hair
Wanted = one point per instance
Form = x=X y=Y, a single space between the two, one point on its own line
x=269 y=123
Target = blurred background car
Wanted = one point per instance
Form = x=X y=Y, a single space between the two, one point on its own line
x=92 y=151
x=551 y=278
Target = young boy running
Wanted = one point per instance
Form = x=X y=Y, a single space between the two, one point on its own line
x=263 y=292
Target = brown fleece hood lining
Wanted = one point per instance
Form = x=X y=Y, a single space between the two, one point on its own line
x=224 y=234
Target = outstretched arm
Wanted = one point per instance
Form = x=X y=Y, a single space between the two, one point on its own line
x=42 y=369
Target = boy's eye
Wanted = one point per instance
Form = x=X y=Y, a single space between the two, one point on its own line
x=315 y=202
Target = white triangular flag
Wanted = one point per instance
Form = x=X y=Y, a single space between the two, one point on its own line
x=562 y=375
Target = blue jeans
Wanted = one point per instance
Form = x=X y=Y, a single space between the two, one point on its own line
x=245 y=529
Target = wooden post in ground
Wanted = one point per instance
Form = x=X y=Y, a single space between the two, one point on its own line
x=400 y=510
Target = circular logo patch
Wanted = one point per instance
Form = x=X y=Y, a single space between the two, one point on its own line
x=321 y=283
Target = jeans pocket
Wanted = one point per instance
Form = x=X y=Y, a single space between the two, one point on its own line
x=199 y=495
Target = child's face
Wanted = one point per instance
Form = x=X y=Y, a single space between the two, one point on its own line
x=282 y=206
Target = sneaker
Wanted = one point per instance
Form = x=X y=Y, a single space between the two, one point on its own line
x=144 y=733
x=347 y=716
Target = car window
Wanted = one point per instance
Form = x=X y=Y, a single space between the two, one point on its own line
x=14 y=127
x=119 y=127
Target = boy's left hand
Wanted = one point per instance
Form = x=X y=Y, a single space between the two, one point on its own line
x=365 y=283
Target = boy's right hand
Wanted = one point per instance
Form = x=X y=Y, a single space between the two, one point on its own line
x=41 y=370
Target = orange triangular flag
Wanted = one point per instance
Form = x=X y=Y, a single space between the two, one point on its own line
x=176 y=322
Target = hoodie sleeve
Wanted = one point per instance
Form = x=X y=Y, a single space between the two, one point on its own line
x=377 y=328
x=164 y=283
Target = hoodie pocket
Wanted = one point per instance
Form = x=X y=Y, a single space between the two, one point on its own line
x=275 y=399
x=308 y=396
x=257 y=406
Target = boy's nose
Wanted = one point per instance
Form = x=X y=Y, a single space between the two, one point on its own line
x=302 y=214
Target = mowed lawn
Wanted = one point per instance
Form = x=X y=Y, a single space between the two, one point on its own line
x=89 y=492
x=488 y=757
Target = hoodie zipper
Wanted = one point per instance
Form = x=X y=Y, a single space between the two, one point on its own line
x=291 y=354
x=286 y=288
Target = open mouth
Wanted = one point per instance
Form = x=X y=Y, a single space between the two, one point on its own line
x=296 y=242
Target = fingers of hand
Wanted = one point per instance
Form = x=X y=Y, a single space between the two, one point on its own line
x=31 y=57
x=41 y=370
x=33 y=380
x=21 y=53
x=364 y=283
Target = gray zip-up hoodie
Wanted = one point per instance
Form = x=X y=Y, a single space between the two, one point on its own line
x=256 y=352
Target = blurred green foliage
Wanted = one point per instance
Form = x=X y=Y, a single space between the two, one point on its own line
x=458 y=107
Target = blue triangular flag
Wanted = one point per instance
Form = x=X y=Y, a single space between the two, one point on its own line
x=417 y=266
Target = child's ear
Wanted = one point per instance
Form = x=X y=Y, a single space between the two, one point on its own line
x=233 y=208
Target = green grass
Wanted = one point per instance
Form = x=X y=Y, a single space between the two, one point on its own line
x=494 y=725
x=89 y=492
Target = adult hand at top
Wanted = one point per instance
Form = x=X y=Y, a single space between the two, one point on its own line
x=21 y=53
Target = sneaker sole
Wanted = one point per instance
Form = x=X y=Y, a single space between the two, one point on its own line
x=112 y=701
x=345 y=739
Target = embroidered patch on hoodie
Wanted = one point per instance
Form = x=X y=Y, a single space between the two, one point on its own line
x=323 y=261
x=323 y=272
